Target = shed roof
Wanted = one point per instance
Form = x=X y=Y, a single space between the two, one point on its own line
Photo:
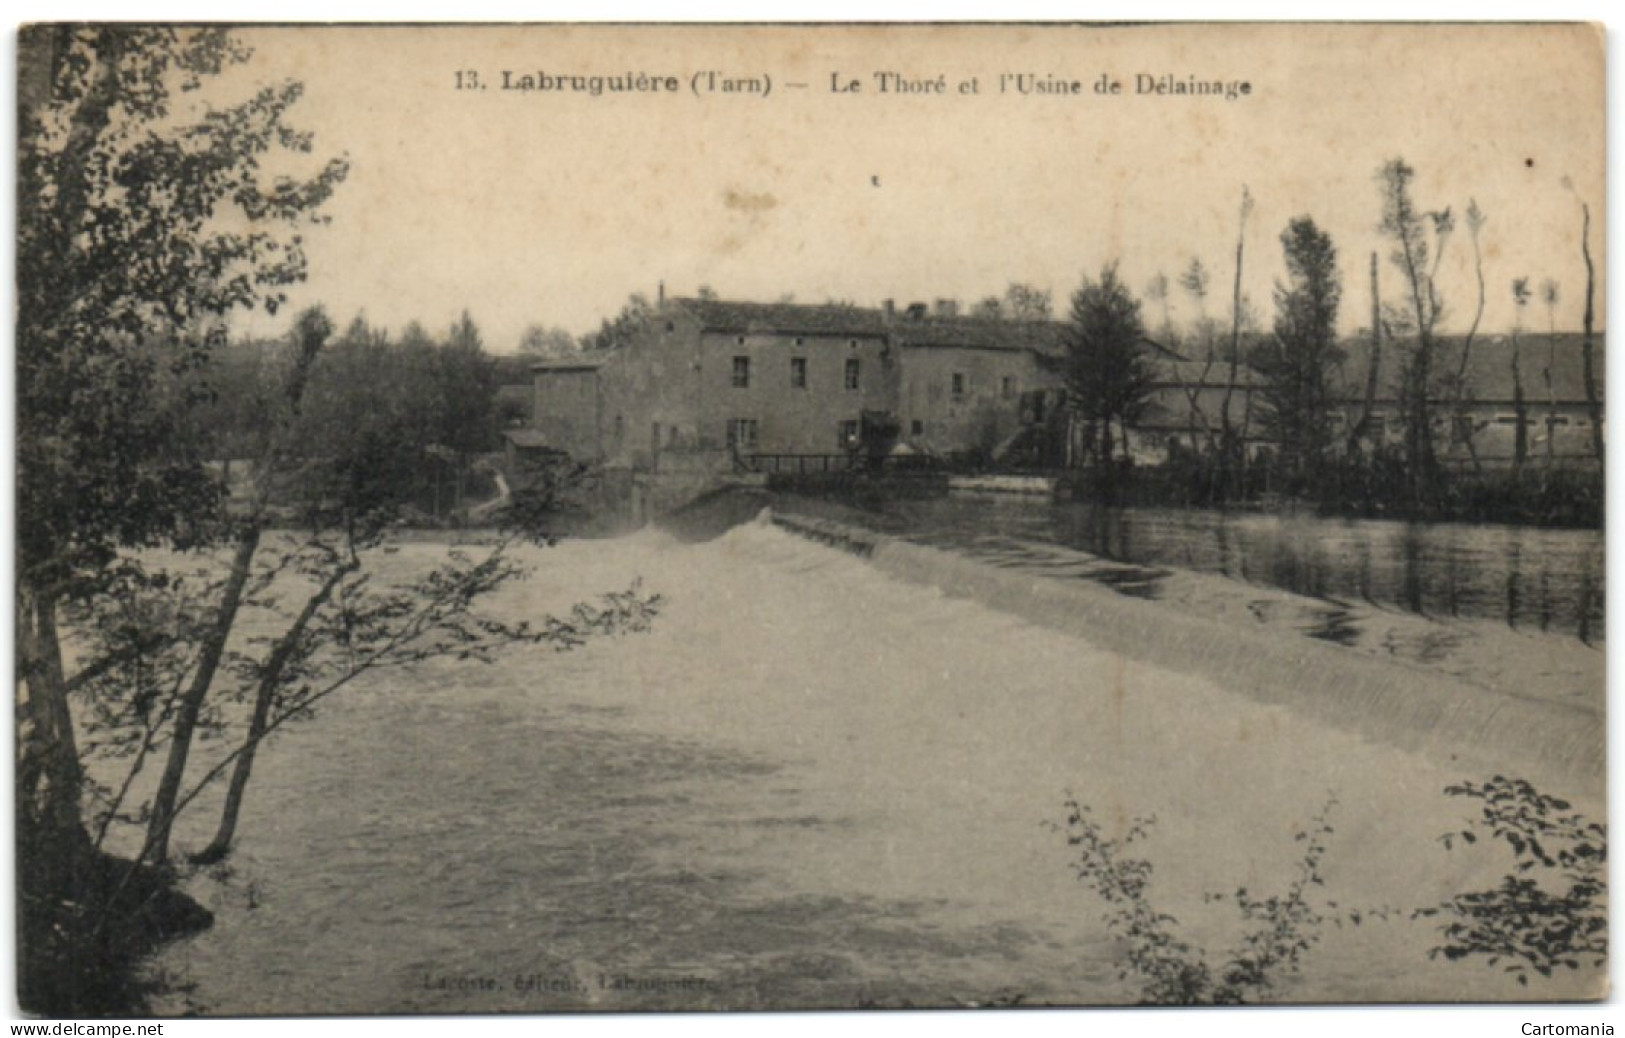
x=1489 y=366
x=838 y=320
x=528 y=439
x=829 y=319
x=582 y=362
x=980 y=333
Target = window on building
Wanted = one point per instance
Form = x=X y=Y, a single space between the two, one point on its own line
x=798 y=372
x=741 y=372
x=959 y=383
x=800 y=341
x=1554 y=420
x=1007 y=387
x=742 y=434
x=852 y=371
x=916 y=428
x=847 y=434
x=1377 y=428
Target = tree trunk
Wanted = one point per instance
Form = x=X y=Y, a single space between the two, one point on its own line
x=1520 y=411
x=1551 y=393
x=270 y=679
x=1462 y=417
x=1230 y=445
x=1593 y=403
x=1373 y=370
x=156 y=849
x=311 y=334
x=50 y=778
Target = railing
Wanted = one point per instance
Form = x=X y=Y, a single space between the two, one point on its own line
x=797 y=463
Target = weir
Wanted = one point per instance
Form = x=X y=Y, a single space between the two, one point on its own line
x=1450 y=721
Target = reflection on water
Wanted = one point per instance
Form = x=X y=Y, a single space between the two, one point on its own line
x=1528 y=577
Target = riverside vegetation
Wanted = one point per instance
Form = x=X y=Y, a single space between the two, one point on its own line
x=1549 y=913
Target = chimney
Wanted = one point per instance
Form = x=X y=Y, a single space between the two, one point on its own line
x=888 y=309
x=660 y=295
x=916 y=311
x=947 y=308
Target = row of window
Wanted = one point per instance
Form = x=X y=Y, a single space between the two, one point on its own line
x=743 y=433
x=1464 y=425
x=958 y=382
x=798 y=373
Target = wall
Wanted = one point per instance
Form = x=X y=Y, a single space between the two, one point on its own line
x=984 y=415
x=566 y=410
x=650 y=395
x=791 y=419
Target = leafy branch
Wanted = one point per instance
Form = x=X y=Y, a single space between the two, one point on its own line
x=1171 y=969
x=1550 y=911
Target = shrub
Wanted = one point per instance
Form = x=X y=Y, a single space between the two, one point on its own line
x=1171 y=969
x=1550 y=911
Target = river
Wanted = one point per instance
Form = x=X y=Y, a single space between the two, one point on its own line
x=1529 y=578
x=811 y=785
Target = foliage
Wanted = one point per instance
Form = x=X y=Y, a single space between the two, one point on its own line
x=1020 y=302
x=389 y=420
x=1108 y=373
x=1551 y=910
x=1171 y=970
x=1418 y=241
x=144 y=217
x=620 y=330
x=542 y=341
x=142 y=220
x=1296 y=363
x=1024 y=302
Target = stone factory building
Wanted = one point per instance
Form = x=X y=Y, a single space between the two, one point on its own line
x=777 y=380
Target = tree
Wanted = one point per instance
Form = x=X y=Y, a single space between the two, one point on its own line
x=988 y=308
x=1520 y=404
x=1296 y=363
x=616 y=332
x=143 y=219
x=1463 y=418
x=1233 y=441
x=1108 y=373
x=541 y=341
x=1587 y=342
x=1195 y=281
x=1549 y=294
x=1024 y=302
x=1158 y=290
x=312 y=330
x=468 y=380
x=1418 y=240
x=145 y=216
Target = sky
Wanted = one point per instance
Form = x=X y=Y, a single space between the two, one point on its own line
x=552 y=207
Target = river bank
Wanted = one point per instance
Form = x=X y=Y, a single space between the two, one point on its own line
x=813 y=784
